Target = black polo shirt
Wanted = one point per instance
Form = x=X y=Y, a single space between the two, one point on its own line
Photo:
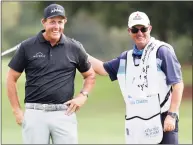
x=50 y=70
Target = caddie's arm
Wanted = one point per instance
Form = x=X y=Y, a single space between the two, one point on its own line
x=176 y=97
x=172 y=69
x=97 y=65
x=11 y=82
x=169 y=122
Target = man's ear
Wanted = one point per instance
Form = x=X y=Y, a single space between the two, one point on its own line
x=150 y=28
x=43 y=21
x=65 y=20
x=129 y=30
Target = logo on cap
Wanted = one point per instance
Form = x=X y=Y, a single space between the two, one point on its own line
x=137 y=17
x=56 y=10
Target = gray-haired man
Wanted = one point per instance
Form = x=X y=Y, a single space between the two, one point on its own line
x=50 y=60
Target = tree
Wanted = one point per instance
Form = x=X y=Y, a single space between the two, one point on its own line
x=9 y=9
x=166 y=17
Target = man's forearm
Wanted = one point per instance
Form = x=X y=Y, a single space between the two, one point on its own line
x=12 y=95
x=89 y=82
x=176 y=97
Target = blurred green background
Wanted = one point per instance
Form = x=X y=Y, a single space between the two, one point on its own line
x=102 y=29
x=101 y=120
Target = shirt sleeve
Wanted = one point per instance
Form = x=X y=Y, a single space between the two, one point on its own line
x=170 y=65
x=83 y=62
x=18 y=61
x=112 y=66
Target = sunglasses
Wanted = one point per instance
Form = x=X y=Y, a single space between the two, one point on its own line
x=135 y=30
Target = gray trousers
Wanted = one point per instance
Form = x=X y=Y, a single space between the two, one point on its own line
x=39 y=126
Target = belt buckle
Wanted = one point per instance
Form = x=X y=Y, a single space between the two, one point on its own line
x=44 y=106
x=56 y=107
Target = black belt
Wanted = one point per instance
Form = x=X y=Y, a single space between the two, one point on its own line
x=46 y=107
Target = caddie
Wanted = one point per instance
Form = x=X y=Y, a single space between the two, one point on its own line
x=150 y=80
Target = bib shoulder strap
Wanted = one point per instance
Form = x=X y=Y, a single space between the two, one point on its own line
x=166 y=98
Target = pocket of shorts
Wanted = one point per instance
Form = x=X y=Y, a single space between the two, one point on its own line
x=73 y=118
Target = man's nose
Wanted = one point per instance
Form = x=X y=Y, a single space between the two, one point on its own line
x=56 y=25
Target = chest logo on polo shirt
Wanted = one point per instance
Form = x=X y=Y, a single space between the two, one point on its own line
x=39 y=54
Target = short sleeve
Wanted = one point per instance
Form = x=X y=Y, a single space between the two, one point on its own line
x=83 y=62
x=18 y=61
x=170 y=65
x=112 y=66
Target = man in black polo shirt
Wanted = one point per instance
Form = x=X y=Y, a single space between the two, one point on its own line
x=50 y=60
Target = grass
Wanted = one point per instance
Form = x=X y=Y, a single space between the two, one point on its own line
x=100 y=120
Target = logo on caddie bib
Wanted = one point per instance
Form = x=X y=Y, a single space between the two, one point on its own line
x=141 y=101
x=151 y=132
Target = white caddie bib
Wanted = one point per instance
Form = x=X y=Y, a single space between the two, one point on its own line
x=143 y=112
x=143 y=121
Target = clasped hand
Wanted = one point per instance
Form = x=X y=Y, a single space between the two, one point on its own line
x=169 y=123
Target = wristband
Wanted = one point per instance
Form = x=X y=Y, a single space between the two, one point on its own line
x=84 y=93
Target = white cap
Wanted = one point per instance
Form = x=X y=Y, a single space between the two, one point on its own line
x=138 y=18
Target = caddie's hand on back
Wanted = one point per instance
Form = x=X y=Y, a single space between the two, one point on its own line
x=76 y=103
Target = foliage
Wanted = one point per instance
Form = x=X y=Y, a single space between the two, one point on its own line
x=15 y=11
x=183 y=49
x=9 y=9
x=164 y=15
x=101 y=26
x=97 y=40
